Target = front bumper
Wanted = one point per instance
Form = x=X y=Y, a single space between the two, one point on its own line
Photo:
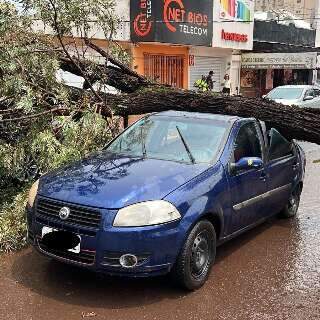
x=156 y=247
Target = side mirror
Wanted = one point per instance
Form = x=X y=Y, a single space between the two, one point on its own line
x=247 y=164
x=308 y=98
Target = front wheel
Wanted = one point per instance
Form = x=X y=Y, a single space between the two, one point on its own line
x=291 y=209
x=197 y=256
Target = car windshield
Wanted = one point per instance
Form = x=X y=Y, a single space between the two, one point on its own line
x=179 y=139
x=285 y=93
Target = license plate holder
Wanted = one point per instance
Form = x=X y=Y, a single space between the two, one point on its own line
x=46 y=230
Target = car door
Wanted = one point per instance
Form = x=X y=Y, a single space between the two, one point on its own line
x=247 y=187
x=316 y=100
x=282 y=169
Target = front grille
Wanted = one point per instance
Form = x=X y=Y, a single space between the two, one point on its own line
x=80 y=216
x=84 y=257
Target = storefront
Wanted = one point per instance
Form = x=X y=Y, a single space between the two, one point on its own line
x=163 y=32
x=261 y=72
x=232 y=32
x=202 y=60
x=162 y=63
x=176 y=42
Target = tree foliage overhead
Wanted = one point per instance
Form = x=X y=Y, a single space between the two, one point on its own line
x=43 y=122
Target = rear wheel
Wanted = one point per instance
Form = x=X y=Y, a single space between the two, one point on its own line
x=197 y=256
x=291 y=209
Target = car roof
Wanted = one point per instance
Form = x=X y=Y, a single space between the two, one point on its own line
x=301 y=86
x=198 y=115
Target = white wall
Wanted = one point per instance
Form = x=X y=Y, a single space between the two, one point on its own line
x=122 y=11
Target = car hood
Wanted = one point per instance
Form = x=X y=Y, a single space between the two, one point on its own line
x=112 y=181
x=287 y=102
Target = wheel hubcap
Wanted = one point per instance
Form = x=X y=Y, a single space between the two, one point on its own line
x=200 y=255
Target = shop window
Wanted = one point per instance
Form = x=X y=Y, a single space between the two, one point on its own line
x=165 y=69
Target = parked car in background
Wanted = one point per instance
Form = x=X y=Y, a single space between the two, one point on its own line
x=300 y=95
x=164 y=194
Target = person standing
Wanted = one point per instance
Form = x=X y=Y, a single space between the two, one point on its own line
x=210 y=81
x=226 y=89
x=201 y=84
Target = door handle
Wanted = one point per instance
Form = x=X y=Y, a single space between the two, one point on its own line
x=295 y=166
x=263 y=176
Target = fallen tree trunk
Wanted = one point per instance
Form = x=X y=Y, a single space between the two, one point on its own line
x=140 y=96
x=292 y=122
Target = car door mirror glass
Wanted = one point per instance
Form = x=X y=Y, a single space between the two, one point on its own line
x=247 y=163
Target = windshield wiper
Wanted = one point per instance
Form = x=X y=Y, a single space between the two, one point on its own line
x=144 y=149
x=192 y=159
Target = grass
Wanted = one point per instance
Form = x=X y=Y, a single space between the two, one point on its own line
x=316 y=161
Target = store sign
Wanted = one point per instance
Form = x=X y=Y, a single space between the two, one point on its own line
x=172 y=21
x=191 y=60
x=305 y=60
x=237 y=10
x=232 y=36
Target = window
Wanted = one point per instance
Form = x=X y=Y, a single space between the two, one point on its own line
x=158 y=137
x=309 y=93
x=279 y=146
x=247 y=143
x=317 y=92
x=165 y=69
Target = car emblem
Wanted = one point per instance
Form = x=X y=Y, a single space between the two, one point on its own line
x=64 y=213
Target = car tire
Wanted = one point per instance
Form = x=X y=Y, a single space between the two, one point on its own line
x=197 y=256
x=291 y=209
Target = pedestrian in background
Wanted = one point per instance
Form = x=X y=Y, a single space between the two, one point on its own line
x=226 y=85
x=210 y=81
x=201 y=84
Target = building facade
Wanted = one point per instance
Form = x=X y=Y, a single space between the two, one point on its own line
x=304 y=9
x=176 y=42
x=282 y=54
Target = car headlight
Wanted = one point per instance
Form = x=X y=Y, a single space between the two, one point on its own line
x=146 y=214
x=33 y=193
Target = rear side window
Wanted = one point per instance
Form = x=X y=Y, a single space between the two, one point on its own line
x=280 y=147
x=247 y=143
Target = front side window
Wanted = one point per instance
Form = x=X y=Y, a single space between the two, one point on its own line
x=247 y=143
x=316 y=92
x=179 y=139
x=309 y=93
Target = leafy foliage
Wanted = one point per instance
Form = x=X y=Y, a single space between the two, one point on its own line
x=44 y=123
x=12 y=223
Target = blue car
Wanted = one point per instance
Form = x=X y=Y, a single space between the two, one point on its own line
x=163 y=194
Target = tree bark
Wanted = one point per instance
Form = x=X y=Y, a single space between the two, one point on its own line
x=293 y=122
